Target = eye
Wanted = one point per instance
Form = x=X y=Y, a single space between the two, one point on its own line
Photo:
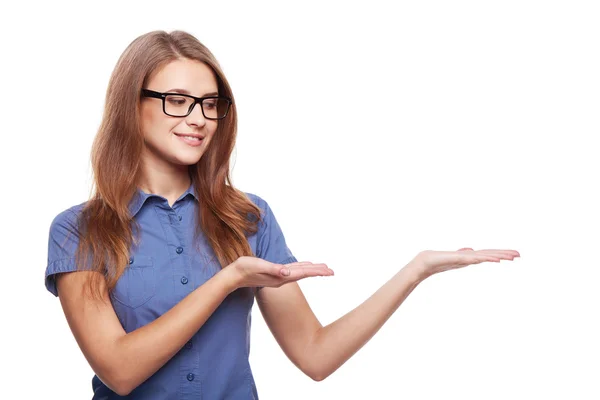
x=176 y=100
x=210 y=103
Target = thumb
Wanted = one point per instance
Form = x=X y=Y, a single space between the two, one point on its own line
x=279 y=270
x=465 y=248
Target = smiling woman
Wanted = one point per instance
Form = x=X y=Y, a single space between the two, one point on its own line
x=158 y=271
x=153 y=271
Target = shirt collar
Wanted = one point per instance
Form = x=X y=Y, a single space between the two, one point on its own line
x=139 y=198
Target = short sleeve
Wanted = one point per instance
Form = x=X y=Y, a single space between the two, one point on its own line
x=62 y=245
x=271 y=244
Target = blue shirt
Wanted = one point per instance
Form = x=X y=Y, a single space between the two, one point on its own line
x=163 y=269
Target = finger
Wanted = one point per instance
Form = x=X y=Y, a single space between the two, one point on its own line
x=473 y=258
x=301 y=263
x=315 y=267
x=284 y=269
x=498 y=254
x=489 y=259
x=278 y=270
x=301 y=272
x=465 y=248
x=480 y=260
x=312 y=269
x=513 y=253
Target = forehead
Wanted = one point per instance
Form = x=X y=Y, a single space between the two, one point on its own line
x=194 y=76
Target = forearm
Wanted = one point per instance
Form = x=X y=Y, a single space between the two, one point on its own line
x=145 y=350
x=335 y=343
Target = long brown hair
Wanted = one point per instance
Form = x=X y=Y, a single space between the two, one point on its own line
x=106 y=229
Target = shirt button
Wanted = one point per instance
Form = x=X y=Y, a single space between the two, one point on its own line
x=131 y=260
x=179 y=250
x=189 y=345
x=190 y=377
x=184 y=280
x=179 y=217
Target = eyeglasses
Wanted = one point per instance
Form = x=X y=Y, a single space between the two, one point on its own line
x=181 y=105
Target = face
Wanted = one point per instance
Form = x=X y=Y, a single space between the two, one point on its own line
x=165 y=146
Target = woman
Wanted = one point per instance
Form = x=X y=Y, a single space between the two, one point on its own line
x=158 y=271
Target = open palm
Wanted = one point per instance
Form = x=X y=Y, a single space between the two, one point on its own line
x=433 y=262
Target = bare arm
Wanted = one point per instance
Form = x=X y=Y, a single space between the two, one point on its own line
x=292 y=322
x=319 y=351
x=121 y=360
x=332 y=346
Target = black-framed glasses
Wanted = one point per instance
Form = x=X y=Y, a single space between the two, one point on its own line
x=181 y=105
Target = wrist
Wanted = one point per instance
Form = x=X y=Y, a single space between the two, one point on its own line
x=229 y=278
x=416 y=269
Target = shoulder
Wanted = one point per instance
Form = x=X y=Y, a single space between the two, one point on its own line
x=68 y=217
x=257 y=200
x=63 y=241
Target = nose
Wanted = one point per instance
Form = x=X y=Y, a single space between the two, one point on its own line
x=196 y=117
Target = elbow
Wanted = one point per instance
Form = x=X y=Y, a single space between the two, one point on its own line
x=120 y=391
x=318 y=377
x=314 y=367
x=123 y=389
x=120 y=386
x=116 y=370
x=121 y=383
x=317 y=374
x=117 y=380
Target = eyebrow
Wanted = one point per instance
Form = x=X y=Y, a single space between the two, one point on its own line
x=184 y=91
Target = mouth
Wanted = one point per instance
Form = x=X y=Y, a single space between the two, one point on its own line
x=191 y=140
x=191 y=136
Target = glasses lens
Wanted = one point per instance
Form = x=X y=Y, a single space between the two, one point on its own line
x=177 y=106
x=215 y=108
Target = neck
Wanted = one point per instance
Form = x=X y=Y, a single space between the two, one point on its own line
x=170 y=186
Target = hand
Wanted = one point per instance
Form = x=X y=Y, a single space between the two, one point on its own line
x=429 y=262
x=252 y=271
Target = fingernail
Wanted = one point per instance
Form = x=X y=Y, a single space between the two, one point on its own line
x=285 y=272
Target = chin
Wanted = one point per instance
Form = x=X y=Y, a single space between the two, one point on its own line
x=187 y=160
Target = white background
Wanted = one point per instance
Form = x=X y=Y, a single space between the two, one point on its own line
x=374 y=131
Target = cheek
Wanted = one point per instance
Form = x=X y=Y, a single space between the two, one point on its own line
x=156 y=126
x=147 y=121
x=212 y=127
